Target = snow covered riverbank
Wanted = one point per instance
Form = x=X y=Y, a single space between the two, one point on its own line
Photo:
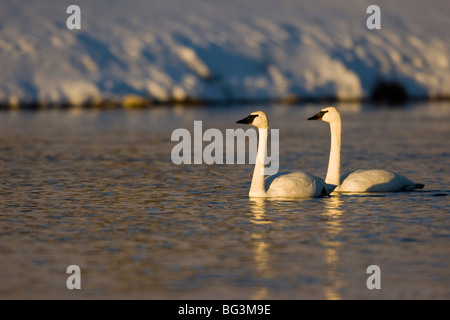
x=220 y=51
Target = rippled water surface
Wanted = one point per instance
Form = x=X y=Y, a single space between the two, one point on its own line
x=98 y=189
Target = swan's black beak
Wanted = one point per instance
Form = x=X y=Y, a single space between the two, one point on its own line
x=248 y=120
x=318 y=116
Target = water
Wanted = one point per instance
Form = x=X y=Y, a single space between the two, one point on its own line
x=98 y=189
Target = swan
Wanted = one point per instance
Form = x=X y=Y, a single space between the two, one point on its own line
x=373 y=180
x=280 y=185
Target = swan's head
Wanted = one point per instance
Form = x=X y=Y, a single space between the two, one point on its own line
x=328 y=114
x=257 y=119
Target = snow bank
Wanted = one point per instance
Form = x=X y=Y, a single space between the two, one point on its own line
x=234 y=50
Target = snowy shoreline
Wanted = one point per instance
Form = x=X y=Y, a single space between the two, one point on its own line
x=142 y=53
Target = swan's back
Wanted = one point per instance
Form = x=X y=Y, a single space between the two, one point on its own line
x=297 y=185
x=376 y=180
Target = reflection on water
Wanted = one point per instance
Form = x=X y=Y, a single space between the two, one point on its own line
x=261 y=246
x=332 y=215
x=98 y=189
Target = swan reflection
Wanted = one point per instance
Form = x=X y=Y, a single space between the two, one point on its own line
x=260 y=244
x=334 y=227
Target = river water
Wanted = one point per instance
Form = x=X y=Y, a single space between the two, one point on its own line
x=98 y=189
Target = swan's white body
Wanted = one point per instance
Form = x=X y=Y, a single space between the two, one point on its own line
x=280 y=185
x=296 y=185
x=374 y=180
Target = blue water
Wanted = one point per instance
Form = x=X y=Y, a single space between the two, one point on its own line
x=98 y=189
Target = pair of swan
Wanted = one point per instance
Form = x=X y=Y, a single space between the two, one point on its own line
x=304 y=185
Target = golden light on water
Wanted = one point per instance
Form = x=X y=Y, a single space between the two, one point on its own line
x=333 y=216
x=261 y=247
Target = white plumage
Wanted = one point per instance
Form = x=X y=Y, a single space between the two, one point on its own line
x=374 y=180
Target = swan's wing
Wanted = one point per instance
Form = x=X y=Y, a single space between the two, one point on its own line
x=375 y=180
x=296 y=184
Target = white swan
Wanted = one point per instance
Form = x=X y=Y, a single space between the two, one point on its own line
x=280 y=185
x=374 y=180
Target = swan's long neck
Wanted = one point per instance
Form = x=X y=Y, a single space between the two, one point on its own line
x=257 y=188
x=334 y=163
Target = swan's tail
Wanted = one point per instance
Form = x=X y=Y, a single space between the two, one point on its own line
x=413 y=187
x=328 y=189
